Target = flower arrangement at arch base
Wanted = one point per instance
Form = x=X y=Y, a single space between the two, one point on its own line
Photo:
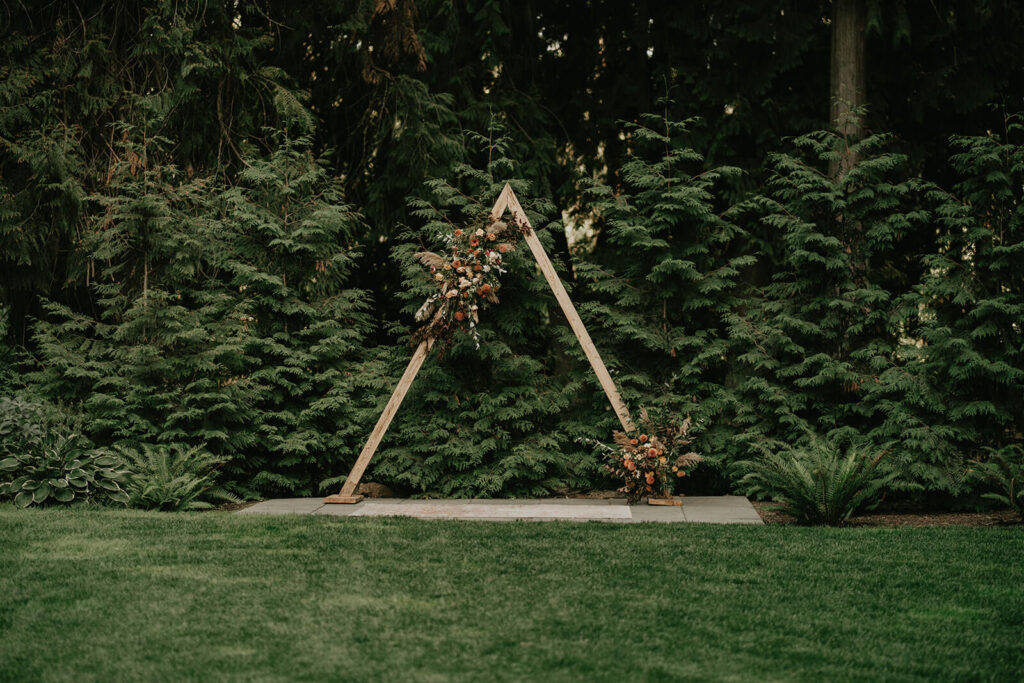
x=650 y=459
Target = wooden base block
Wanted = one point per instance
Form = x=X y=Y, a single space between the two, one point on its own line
x=665 y=501
x=348 y=500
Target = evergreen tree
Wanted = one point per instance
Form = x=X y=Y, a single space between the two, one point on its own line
x=664 y=278
x=969 y=308
x=223 y=316
x=822 y=346
x=480 y=421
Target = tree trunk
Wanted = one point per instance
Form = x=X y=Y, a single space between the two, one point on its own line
x=848 y=76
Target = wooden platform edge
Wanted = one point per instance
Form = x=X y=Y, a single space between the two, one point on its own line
x=675 y=501
x=347 y=500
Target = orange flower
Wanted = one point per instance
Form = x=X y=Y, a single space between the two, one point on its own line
x=634 y=441
x=460 y=316
x=485 y=288
x=630 y=465
x=643 y=437
x=650 y=478
x=458 y=233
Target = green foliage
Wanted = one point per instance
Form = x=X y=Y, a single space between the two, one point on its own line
x=817 y=483
x=1004 y=470
x=662 y=278
x=162 y=477
x=204 y=205
x=480 y=422
x=967 y=310
x=223 y=316
x=44 y=462
x=822 y=345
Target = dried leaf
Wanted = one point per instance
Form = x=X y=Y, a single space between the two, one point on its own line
x=621 y=440
x=688 y=460
x=426 y=309
x=685 y=427
x=430 y=259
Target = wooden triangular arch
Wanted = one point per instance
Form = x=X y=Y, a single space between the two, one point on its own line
x=506 y=201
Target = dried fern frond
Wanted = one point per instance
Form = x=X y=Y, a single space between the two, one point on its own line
x=688 y=460
x=685 y=427
x=426 y=309
x=644 y=416
x=621 y=440
x=430 y=259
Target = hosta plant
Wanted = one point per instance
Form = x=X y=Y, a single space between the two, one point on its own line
x=172 y=477
x=63 y=468
x=1004 y=469
x=818 y=483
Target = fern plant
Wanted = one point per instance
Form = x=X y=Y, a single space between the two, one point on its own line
x=817 y=483
x=172 y=477
x=1004 y=469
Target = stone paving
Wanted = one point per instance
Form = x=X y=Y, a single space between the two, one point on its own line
x=708 y=509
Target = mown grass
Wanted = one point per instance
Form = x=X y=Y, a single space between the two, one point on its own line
x=95 y=595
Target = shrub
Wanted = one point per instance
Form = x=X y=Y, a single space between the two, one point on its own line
x=818 y=484
x=172 y=477
x=1005 y=470
x=43 y=460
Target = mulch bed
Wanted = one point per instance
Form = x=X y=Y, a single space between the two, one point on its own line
x=892 y=518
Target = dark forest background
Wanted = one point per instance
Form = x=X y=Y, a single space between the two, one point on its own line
x=778 y=217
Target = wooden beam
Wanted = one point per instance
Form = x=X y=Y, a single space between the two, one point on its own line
x=348 y=491
x=506 y=201
x=610 y=390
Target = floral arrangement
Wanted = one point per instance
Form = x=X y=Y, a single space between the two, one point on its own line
x=467 y=278
x=646 y=459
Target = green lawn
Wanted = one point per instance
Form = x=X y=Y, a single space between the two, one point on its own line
x=94 y=595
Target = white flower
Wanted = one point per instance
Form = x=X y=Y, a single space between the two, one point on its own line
x=487 y=269
x=480 y=232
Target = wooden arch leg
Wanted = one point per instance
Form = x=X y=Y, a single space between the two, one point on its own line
x=348 y=490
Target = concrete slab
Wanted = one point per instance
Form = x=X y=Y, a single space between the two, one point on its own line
x=285 y=506
x=720 y=510
x=489 y=510
x=706 y=509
